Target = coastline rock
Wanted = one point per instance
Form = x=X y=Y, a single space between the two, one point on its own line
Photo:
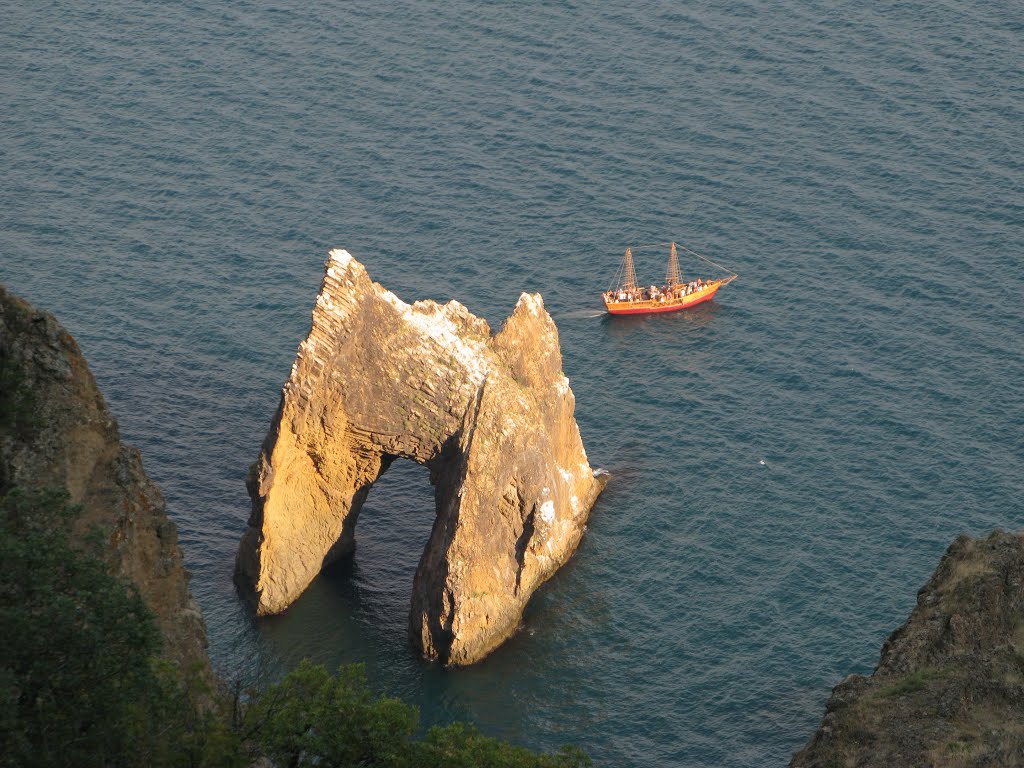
x=492 y=417
x=949 y=686
x=58 y=433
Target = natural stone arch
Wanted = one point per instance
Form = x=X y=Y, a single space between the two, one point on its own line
x=492 y=417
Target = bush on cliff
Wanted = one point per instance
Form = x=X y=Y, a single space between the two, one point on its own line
x=312 y=718
x=73 y=641
x=80 y=683
x=462 y=746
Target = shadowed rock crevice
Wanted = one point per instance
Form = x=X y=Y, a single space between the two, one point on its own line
x=522 y=542
x=378 y=379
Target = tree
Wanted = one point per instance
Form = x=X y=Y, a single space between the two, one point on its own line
x=74 y=641
x=312 y=718
x=462 y=746
x=80 y=681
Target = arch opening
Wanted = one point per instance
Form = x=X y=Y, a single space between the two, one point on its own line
x=390 y=535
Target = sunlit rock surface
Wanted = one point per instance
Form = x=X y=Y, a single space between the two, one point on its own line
x=491 y=416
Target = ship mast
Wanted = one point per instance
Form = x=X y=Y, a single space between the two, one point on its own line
x=628 y=272
x=672 y=276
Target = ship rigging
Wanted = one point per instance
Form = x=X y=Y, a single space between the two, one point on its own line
x=626 y=297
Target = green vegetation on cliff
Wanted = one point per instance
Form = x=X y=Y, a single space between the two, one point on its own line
x=82 y=682
x=948 y=691
x=312 y=718
x=80 y=679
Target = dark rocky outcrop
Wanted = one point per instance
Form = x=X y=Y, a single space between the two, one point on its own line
x=491 y=416
x=949 y=687
x=57 y=432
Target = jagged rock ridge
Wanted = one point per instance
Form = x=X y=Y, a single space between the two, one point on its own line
x=492 y=417
x=949 y=686
x=66 y=437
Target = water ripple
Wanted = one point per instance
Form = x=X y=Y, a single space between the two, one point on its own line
x=789 y=461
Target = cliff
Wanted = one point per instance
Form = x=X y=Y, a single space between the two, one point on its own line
x=492 y=417
x=949 y=686
x=56 y=431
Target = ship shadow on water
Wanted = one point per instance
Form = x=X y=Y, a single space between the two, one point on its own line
x=621 y=327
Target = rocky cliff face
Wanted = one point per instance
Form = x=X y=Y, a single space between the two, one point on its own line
x=949 y=687
x=492 y=416
x=56 y=431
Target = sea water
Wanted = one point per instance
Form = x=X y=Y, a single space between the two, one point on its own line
x=788 y=461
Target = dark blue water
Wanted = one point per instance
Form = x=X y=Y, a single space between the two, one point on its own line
x=789 y=461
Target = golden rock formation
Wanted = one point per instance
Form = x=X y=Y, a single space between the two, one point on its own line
x=492 y=417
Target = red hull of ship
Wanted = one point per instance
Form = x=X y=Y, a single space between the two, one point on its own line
x=630 y=308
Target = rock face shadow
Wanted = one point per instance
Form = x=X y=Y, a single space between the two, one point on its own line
x=491 y=417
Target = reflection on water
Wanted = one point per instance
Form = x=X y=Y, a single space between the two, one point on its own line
x=358 y=607
x=357 y=610
x=684 y=321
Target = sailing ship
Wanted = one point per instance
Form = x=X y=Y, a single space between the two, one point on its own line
x=626 y=297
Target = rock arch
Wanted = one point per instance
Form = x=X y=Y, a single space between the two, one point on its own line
x=491 y=416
